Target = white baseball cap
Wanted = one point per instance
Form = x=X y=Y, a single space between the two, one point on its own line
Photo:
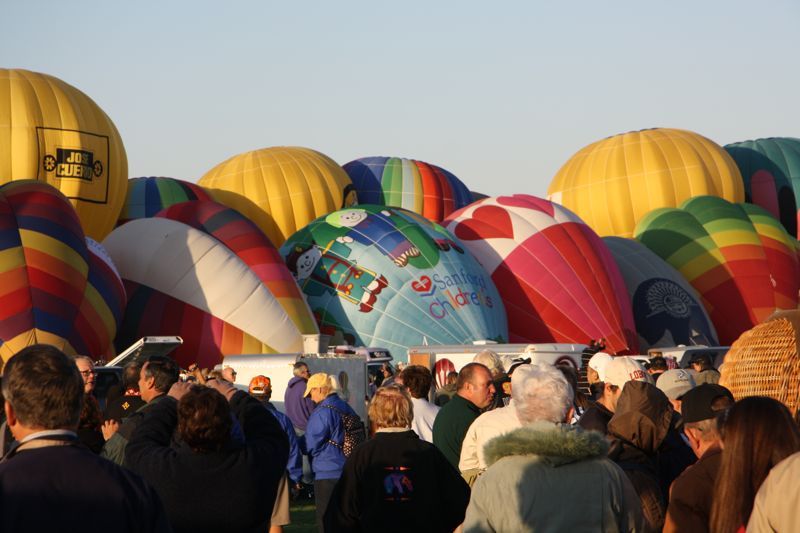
x=621 y=370
x=598 y=363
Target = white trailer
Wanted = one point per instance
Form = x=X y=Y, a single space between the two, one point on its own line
x=351 y=372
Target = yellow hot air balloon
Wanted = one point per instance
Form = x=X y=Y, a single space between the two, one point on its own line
x=51 y=131
x=281 y=189
x=613 y=183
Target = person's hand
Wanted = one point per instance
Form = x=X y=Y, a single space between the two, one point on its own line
x=179 y=389
x=108 y=428
x=225 y=388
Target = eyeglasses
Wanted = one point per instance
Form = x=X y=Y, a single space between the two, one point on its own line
x=87 y=373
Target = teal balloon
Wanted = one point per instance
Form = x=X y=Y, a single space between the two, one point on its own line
x=771 y=172
x=384 y=276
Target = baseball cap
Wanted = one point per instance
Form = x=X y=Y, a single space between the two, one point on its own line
x=675 y=383
x=320 y=379
x=698 y=403
x=621 y=370
x=598 y=363
x=259 y=384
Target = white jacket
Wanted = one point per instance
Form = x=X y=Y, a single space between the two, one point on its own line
x=424 y=415
x=489 y=425
x=778 y=499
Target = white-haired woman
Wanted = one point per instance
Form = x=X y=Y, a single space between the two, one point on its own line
x=395 y=481
x=545 y=474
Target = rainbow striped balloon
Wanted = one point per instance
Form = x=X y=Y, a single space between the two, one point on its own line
x=56 y=288
x=148 y=196
x=420 y=187
x=739 y=259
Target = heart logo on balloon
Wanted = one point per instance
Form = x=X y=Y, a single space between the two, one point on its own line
x=423 y=285
x=487 y=222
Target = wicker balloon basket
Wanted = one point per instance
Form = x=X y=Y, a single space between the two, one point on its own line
x=765 y=361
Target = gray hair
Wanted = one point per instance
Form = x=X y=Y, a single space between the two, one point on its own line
x=540 y=392
x=490 y=360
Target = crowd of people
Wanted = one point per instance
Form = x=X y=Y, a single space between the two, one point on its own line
x=501 y=446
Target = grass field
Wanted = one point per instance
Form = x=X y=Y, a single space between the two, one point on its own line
x=303 y=514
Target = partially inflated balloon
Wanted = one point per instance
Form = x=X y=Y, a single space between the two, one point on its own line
x=183 y=281
x=148 y=196
x=737 y=257
x=57 y=288
x=281 y=189
x=51 y=131
x=666 y=309
x=556 y=277
x=613 y=183
x=383 y=276
x=420 y=187
x=250 y=245
x=771 y=172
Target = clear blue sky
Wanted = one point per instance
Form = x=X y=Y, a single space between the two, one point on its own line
x=500 y=93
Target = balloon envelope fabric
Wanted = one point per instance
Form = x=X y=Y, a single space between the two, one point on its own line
x=666 y=309
x=148 y=196
x=250 y=245
x=738 y=258
x=52 y=132
x=556 y=277
x=55 y=288
x=613 y=183
x=384 y=276
x=425 y=189
x=771 y=172
x=182 y=281
x=281 y=189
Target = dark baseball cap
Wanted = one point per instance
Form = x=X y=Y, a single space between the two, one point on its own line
x=698 y=403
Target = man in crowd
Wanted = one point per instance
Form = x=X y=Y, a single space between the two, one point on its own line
x=692 y=492
x=535 y=469
x=324 y=439
x=297 y=405
x=261 y=389
x=487 y=426
x=207 y=466
x=130 y=400
x=474 y=391
x=48 y=480
x=616 y=371
x=156 y=377
x=704 y=369
x=418 y=379
x=675 y=383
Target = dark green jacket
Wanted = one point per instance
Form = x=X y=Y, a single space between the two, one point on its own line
x=114 y=448
x=451 y=427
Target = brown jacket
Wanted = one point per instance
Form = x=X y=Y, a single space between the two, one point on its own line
x=692 y=494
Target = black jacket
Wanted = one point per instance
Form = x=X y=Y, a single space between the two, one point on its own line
x=232 y=490
x=69 y=488
x=397 y=482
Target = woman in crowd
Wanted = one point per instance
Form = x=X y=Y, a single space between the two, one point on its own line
x=91 y=422
x=757 y=433
x=395 y=481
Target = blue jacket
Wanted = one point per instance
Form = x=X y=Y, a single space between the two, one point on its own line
x=324 y=425
x=295 y=464
x=297 y=406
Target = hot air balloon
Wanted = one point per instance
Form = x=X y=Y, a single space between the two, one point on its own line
x=57 y=288
x=383 y=276
x=738 y=258
x=666 y=309
x=183 y=281
x=771 y=172
x=281 y=189
x=420 y=187
x=613 y=183
x=148 y=196
x=556 y=277
x=250 y=245
x=53 y=132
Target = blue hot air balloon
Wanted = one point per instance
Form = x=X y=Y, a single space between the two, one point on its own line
x=384 y=276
